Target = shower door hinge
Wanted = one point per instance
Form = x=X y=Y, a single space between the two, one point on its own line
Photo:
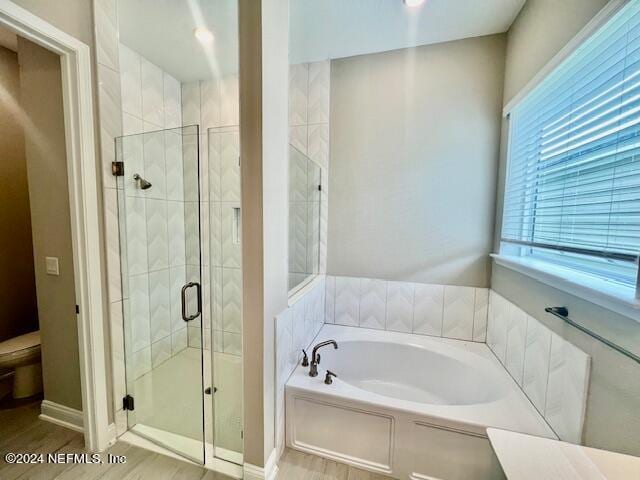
x=77 y=309
x=127 y=403
x=319 y=188
x=117 y=169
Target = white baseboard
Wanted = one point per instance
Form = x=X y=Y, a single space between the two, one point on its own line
x=268 y=472
x=60 y=415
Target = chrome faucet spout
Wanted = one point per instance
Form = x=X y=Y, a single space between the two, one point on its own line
x=315 y=356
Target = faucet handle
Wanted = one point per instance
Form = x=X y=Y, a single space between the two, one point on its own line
x=327 y=379
x=318 y=357
x=305 y=359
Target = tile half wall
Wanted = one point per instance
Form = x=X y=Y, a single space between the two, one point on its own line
x=436 y=310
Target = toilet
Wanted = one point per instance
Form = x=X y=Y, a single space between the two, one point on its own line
x=20 y=366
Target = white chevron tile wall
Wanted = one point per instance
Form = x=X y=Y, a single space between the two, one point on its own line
x=399 y=316
x=552 y=372
x=516 y=337
x=428 y=309
x=296 y=329
x=458 y=314
x=406 y=307
x=347 y=301
x=373 y=304
x=567 y=386
x=309 y=99
x=536 y=363
x=214 y=105
x=158 y=221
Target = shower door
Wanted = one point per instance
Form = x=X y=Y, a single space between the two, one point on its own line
x=159 y=217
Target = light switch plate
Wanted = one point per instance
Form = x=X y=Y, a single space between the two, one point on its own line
x=52 y=265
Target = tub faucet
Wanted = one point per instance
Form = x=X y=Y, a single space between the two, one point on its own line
x=315 y=356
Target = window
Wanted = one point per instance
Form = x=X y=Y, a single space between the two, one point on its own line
x=572 y=195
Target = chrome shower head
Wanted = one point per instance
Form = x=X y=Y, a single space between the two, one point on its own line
x=142 y=183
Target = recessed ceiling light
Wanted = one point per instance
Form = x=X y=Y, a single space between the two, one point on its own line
x=413 y=3
x=203 y=35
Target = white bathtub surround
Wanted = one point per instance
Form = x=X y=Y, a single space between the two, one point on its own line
x=438 y=310
x=552 y=372
x=296 y=328
x=401 y=403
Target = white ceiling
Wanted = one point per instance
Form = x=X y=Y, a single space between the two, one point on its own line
x=162 y=30
x=323 y=29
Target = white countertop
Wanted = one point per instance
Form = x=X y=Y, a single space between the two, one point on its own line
x=525 y=457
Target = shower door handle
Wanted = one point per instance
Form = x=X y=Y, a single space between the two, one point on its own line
x=183 y=298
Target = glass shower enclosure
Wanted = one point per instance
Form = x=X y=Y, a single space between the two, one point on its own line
x=159 y=215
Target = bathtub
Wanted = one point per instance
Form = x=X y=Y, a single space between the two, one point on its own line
x=407 y=406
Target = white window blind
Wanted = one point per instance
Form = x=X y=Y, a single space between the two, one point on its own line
x=572 y=194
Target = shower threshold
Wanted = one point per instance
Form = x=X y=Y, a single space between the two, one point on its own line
x=225 y=461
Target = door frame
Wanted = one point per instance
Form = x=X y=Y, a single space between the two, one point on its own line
x=84 y=183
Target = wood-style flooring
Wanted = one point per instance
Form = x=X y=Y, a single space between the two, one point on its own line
x=296 y=465
x=22 y=432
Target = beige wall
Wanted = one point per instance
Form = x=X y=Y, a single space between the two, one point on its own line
x=18 y=310
x=263 y=35
x=414 y=137
x=541 y=29
x=41 y=99
x=75 y=17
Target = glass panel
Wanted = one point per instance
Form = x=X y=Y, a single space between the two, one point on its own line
x=304 y=218
x=159 y=216
x=171 y=77
x=226 y=291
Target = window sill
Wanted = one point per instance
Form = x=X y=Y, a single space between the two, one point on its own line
x=600 y=292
